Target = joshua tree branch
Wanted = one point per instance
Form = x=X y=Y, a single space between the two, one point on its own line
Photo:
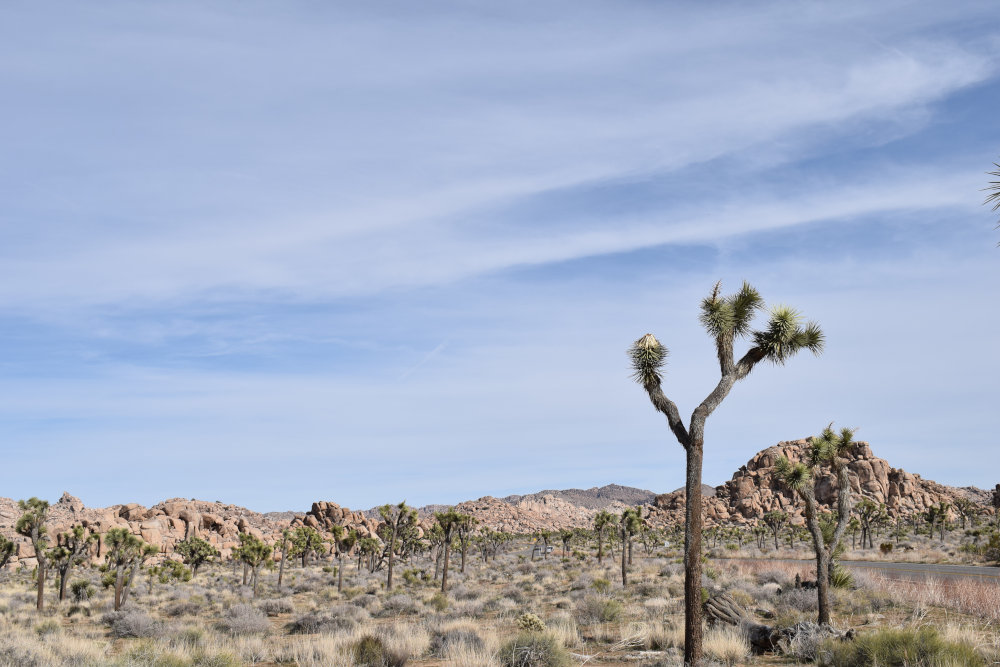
x=669 y=409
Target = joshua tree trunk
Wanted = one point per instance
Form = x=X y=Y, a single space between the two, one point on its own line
x=624 y=571
x=284 y=557
x=40 y=601
x=444 y=571
x=692 y=555
x=340 y=572
x=600 y=547
x=392 y=553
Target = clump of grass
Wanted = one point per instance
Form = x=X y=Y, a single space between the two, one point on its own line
x=923 y=647
x=727 y=644
x=534 y=649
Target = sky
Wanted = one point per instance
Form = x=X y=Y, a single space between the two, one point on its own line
x=272 y=253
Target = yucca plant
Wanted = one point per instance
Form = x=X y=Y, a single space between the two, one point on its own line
x=727 y=319
x=828 y=449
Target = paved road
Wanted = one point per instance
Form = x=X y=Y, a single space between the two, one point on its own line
x=920 y=571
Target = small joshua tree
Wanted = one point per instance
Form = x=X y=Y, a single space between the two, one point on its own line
x=32 y=525
x=306 y=541
x=628 y=525
x=726 y=318
x=602 y=522
x=829 y=449
x=343 y=541
x=449 y=522
x=397 y=518
x=71 y=550
x=566 y=536
x=254 y=552
x=124 y=553
x=196 y=552
x=775 y=521
x=6 y=551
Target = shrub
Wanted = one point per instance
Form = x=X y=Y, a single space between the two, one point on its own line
x=314 y=622
x=276 y=606
x=885 y=548
x=400 y=604
x=890 y=647
x=601 y=585
x=840 y=577
x=371 y=651
x=244 y=619
x=594 y=609
x=46 y=628
x=438 y=602
x=444 y=640
x=533 y=649
x=82 y=590
x=182 y=609
x=132 y=622
x=530 y=623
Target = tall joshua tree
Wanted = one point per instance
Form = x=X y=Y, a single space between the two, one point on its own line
x=31 y=524
x=726 y=318
x=829 y=449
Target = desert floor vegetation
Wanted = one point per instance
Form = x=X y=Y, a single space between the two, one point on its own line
x=551 y=611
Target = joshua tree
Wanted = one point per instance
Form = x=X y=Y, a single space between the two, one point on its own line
x=726 y=319
x=124 y=553
x=253 y=552
x=343 y=541
x=6 y=551
x=305 y=540
x=966 y=509
x=869 y=514
x=71 y=550
x=32 y=525
x=464 y=532
x=775 y=521
x=196 y=552
x=544 y=535
x=602 y=521
x=828 y=449
x=937 y=515
x=628 y=525
x=566 y=536
x=449 y=522
x=397 y=518
x=282 y=548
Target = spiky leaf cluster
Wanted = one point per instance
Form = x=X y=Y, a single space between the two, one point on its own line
x=252 y=550
x=994 y=190
x=33 y=515
x=785 y=335
x=730 y=316
x=796 y=476
x=6 y=551
x=648 y=359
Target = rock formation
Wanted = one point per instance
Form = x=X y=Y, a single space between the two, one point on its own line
x=754 y=489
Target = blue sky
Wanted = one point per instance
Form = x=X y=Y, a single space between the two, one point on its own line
x=270 y=253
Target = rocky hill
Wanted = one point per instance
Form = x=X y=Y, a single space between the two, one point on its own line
x=754 y=489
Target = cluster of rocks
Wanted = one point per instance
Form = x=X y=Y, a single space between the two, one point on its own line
x=162 y=525
x=755 y=489
x=324 y=515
